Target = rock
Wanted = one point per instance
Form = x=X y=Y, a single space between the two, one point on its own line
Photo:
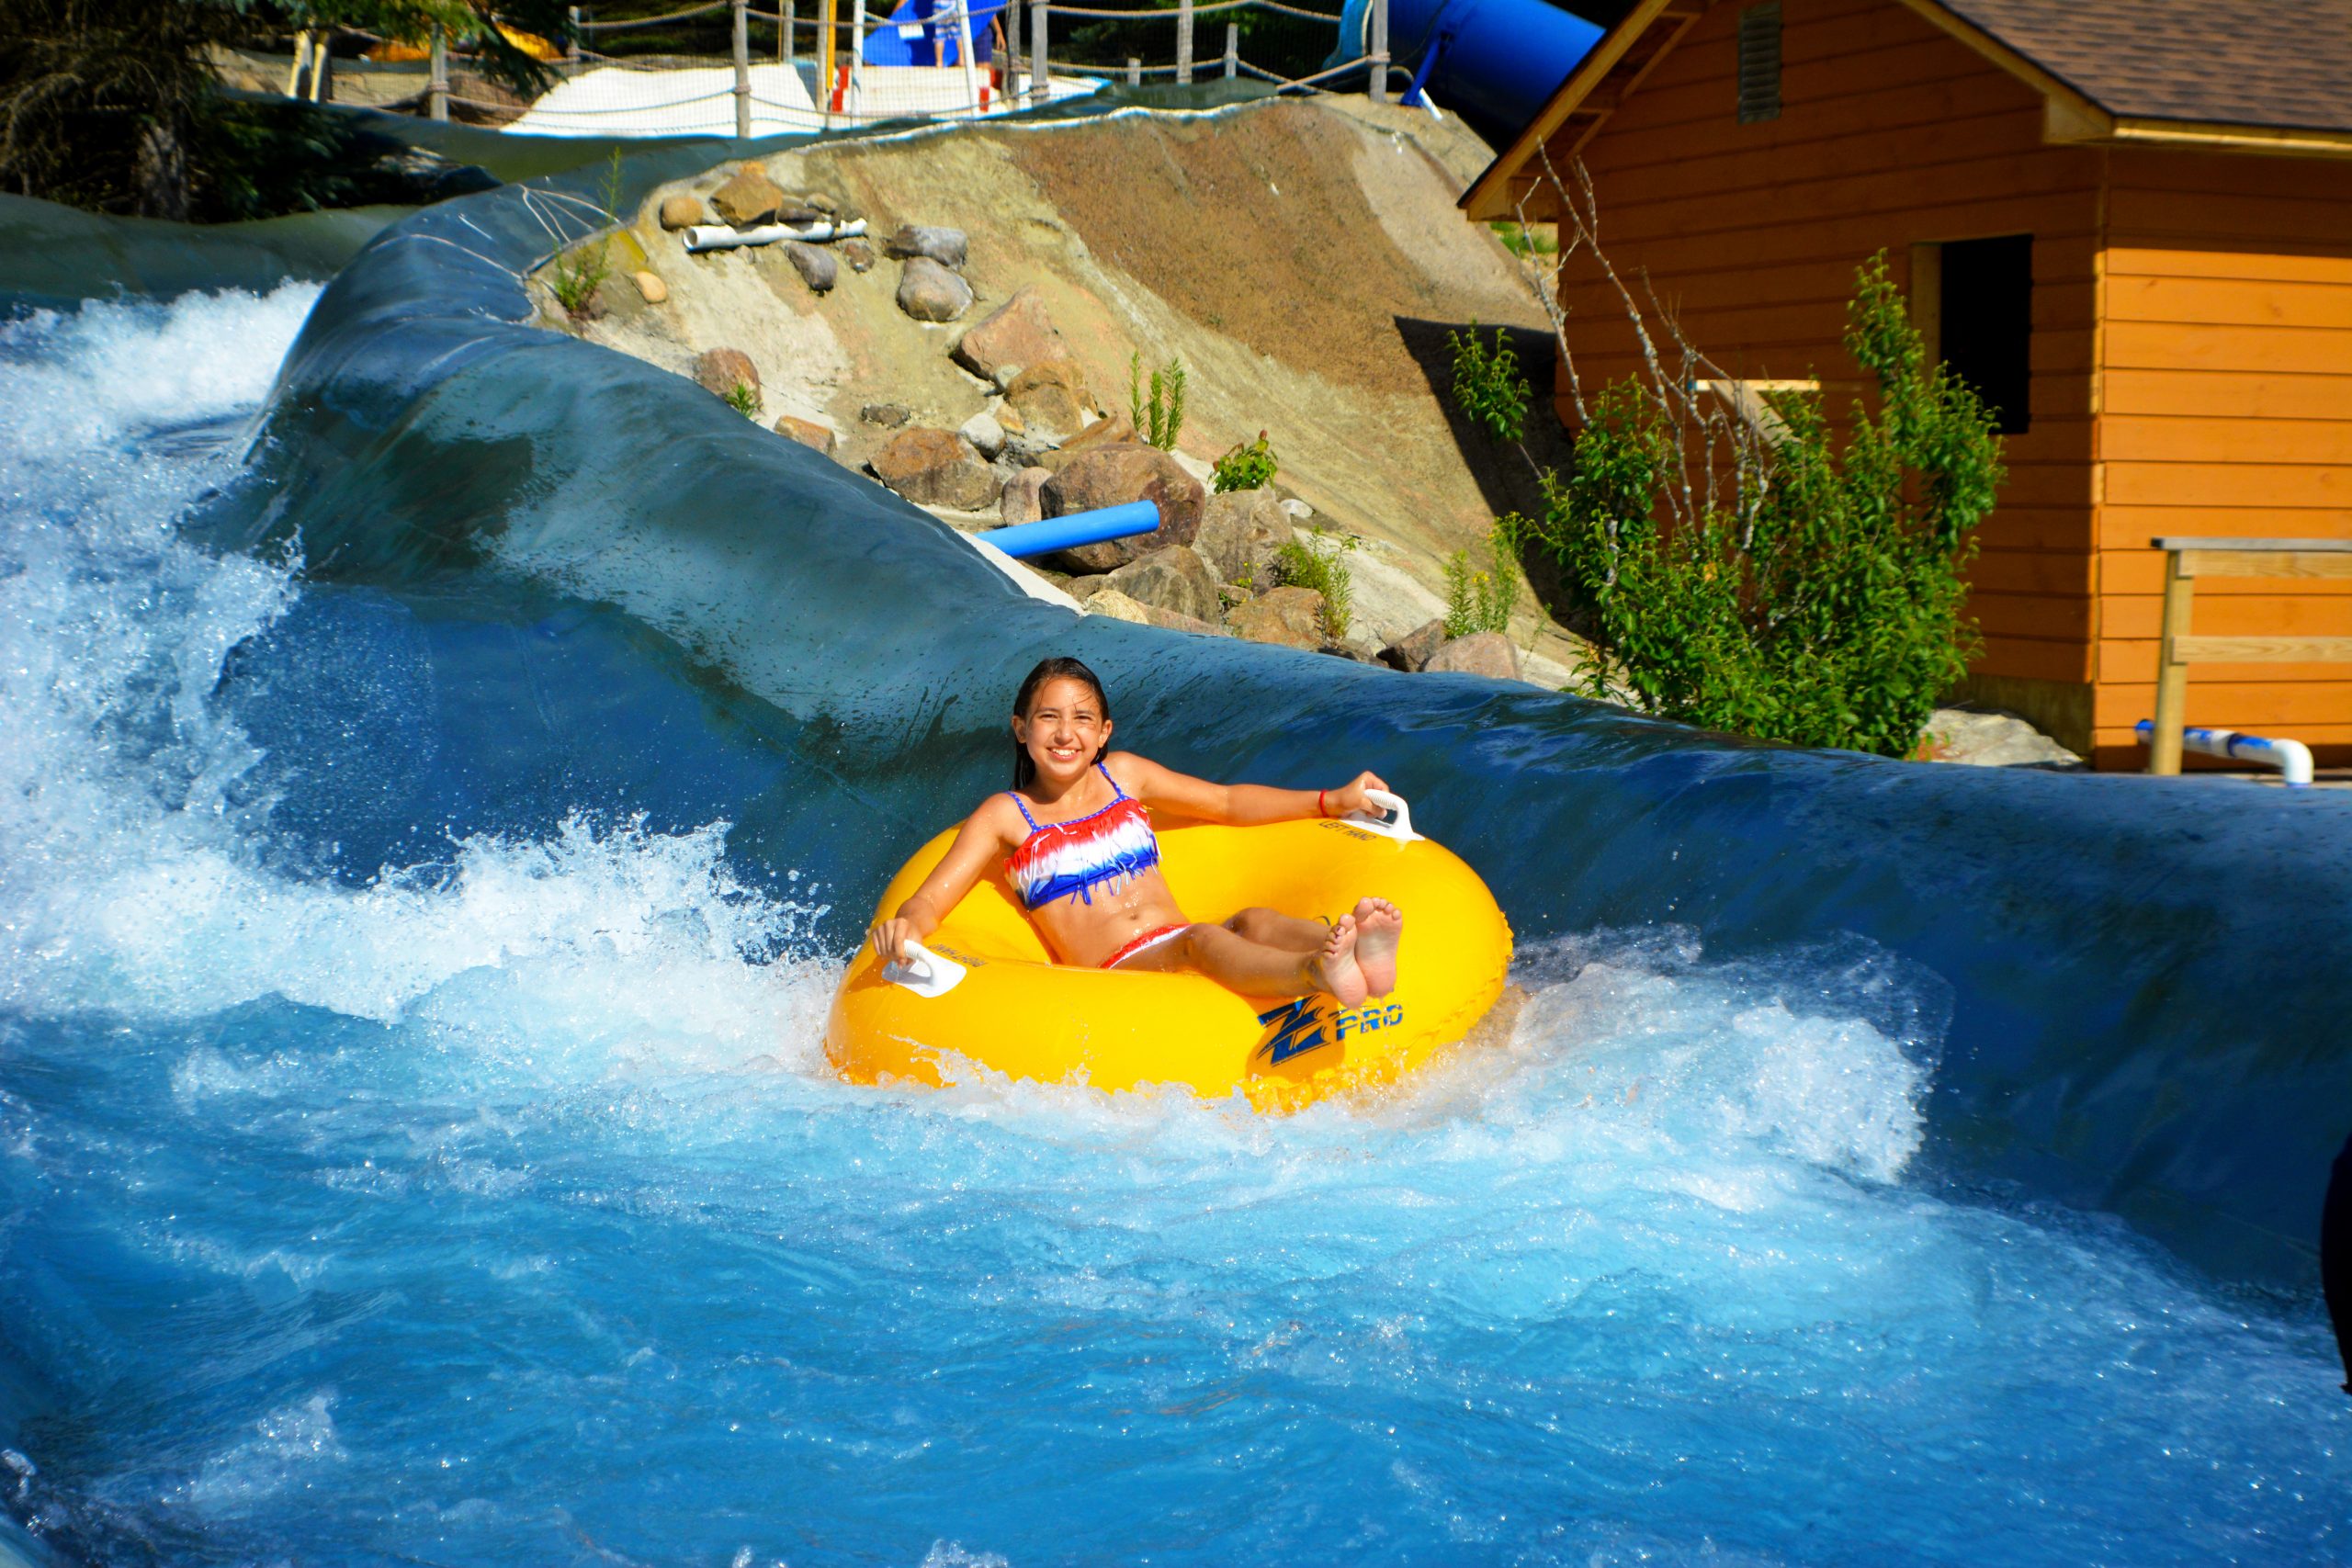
x=935 y=467
x=889 y=416
x=1412 y=650
x=1177 y=621
x=929 y=292
x=1009 y=420
x=1021 y=502
x=817 y=268
x=1171 y=578
x=1991 y=737
x=1480 y=653
x=799 y=217
x=1298 y=509
x=1118 y=606
x=821 y=202
x=1108 y=476
x=1107 y=431
x=858 y=253
x=944 y=246
x=1240 y=531
x=1288 y=617
x=722 y=371
x=983 y=431
x=1084 y=588
x=683 y=212
x=1016 y=333
x=651 y=289
x=749 y=198
x=808 y=433
x=1052 y=399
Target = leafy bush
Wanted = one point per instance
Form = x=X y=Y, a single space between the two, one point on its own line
x=1159 y=417
x=1486 y=383
x=1245 y=468
x=1799 y=593
x=744 y=399
x=1320 y=561
x=1480 y=600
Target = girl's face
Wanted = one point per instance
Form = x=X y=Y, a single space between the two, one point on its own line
x=1064 y=730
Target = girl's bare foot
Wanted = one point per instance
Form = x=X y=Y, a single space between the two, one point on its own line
x=1334 y=970
x=1380 y=926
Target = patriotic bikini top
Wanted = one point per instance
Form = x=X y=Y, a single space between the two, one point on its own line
x=1059 y=860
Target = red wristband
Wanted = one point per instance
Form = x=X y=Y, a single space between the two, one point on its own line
x=1320 y=810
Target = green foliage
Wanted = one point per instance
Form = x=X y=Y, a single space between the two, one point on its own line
x=1320 y=561
x=1159 y=416
x=1482 y=601
x=1245 y=468
x=1525 y=239
x=1488 y=384
x=577 y=273
x=1822 y=604
x=744 y=399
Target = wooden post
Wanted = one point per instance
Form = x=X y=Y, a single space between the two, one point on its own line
x=786 y=50
x=1184 y=42
x=1232 y=49
x=1135 y=71
x=571 y=40
x=437 y=95
x=1041 y=84
x=963 y=55
x=2172 y=670
x=1011 y=16
x=742 y=70
x=1379 y=89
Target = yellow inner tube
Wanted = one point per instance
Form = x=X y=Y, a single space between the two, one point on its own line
x=1017 y=1013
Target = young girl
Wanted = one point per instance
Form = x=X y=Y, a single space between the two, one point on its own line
x=1084 y=860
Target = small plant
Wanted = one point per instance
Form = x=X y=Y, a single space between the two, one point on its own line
x=1245 y=468
x=1480 y=601
x=1525 y=240
x=1320 y=561
x=1488 y=384
x=1159 y=416
x=582 y=270
x=744 y=399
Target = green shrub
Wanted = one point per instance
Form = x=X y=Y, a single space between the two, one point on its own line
x=1320 y=561
x=1488 y=384
x=1481 y=600
x=1159 y=416
x=1245 y=468
x=744 y=399
x=581 y=270
x=1799 y=593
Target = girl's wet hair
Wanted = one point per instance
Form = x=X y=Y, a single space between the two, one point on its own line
x=1024 y=772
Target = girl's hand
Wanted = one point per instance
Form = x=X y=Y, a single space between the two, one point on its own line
x=891 y=938
x=1354 y=796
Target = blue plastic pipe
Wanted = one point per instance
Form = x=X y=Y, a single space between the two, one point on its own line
x=1025 y=539
x=1498 y=61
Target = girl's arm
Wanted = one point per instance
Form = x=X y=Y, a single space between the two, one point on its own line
x=1239 y=806
x=981 y=838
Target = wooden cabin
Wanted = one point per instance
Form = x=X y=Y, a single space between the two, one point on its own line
x=2127 y=222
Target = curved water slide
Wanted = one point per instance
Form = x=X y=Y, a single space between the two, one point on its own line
x=1495 y=62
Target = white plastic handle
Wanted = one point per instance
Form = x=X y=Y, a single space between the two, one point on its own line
x=1399 y=828
x=924 y=972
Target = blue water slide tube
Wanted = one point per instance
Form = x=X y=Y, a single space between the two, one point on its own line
x=922 y=32
x=1497 y=61
x=1025 y=539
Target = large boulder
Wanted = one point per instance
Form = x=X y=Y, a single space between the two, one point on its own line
x=1017 y=332
x=944 y=246
x=683 y=212
x=1052 y=399
x=1414 y=649
x=749 y=198
x=1240 y=531
x=1288 y=617
x=817 y=268
x=1111 y=476
x=929 y=292
x=1172 y=577
x=808 y=433
x=719 y=371
x=1480 y=653
x=935 y=467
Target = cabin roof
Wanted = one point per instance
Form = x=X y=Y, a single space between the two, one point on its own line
x=2243 y=76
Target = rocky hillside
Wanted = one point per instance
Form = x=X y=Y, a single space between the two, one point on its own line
x=1302 y=261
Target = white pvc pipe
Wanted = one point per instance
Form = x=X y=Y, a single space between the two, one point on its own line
x=2292 y=758
x=718 y=237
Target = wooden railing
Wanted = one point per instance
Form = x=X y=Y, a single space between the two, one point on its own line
x=2187 y=559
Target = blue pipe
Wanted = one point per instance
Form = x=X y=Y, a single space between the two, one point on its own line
x=1025 y=539
x=1497 y=61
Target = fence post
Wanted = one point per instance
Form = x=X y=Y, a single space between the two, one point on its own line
x=825 y=30
x=1012 y=53
x=857 y=59
x=1232 y=49
x=571 y=43
x=742 y=70
x=788 y=47
x=963 y=55
x=1135 y=71
x=1379 y=89
x=1041 y=84
x=2172 y=670
x=436 y=95
x=1184 y=42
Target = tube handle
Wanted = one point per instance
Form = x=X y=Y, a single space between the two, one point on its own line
x=1397 y=826
x=924 y=972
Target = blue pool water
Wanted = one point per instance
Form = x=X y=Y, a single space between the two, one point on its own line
x=467 y=1187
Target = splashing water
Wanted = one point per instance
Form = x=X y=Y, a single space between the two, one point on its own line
x=501 y=1209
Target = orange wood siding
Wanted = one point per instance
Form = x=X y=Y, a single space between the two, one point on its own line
x=1890 y=133
x=2227 y=391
